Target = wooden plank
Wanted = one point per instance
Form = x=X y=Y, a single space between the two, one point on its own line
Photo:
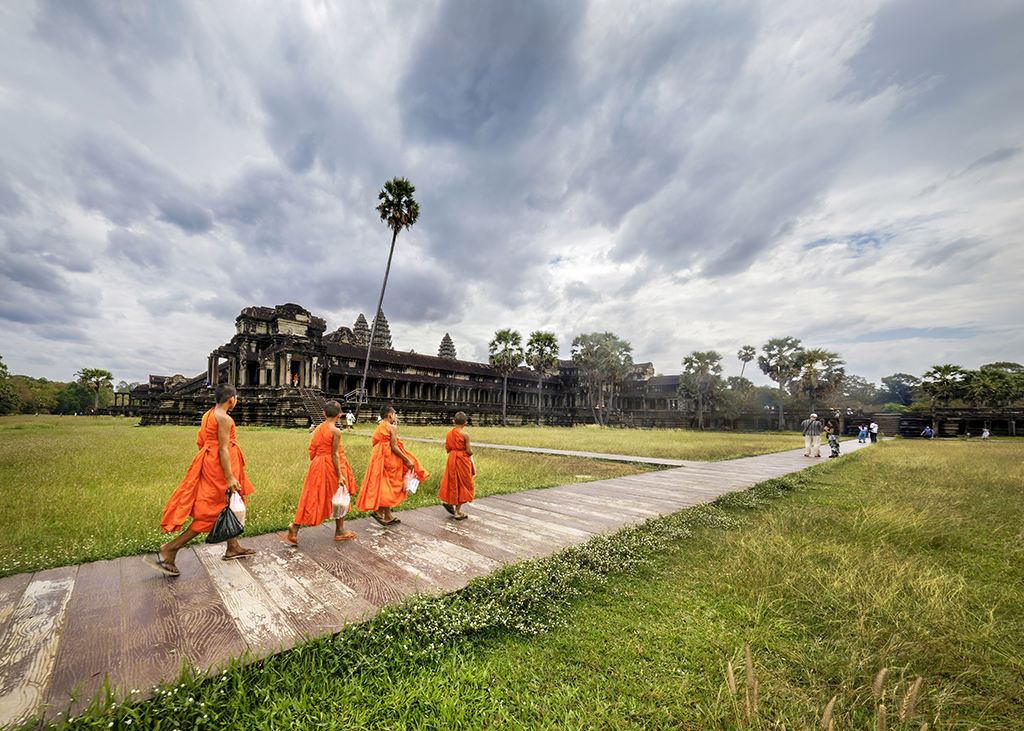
x=207 y=630
x=532 y=520
x=571 y=508
x=438 y=567
x=12 y=588
x=462 y=533
x=29 y=647
x=655 y=499
x=500 y=534
x=314 y=600
x=93 y=641
x=264 y=627
x=373 y=578
x=534 y=533
x=618 y=504
x=555 y=514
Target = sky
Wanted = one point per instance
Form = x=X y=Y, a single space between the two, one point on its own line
x=687 y=175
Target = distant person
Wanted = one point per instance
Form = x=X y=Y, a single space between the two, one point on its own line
x=219 y=467
x=984 y=434
x=873 y=431
x=927 y=433
x=350 y=419
x=457 y=481
x=833 y=439
x=862 y=435
x=328 y=473
x=383 y=484
x=812 y=436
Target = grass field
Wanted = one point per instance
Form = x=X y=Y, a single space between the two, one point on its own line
x=908 y=556
x=76 y=489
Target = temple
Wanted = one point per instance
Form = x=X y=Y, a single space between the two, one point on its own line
x=285 y=366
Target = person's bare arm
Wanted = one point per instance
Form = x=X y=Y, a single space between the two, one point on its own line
x=335 y=446
x=396 y=450
x=469 y=447
x=224 y=423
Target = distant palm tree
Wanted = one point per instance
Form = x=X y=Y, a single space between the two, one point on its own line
x=542 y=355
x=702 y=371
x=821 y=374
x=506 y=355
x=781 y=363
x=96 y=379
x=398 y=210
x=942 y=382
x=746 y=354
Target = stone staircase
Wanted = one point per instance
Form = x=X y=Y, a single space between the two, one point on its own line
x=313 y=402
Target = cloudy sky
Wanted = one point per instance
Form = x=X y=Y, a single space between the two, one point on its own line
x=689 y=175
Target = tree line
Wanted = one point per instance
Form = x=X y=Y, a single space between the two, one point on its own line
x=92 y=389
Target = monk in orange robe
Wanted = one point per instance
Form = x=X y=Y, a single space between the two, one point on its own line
x=217 y=468
x=457 y=480
x=383 y=484
x=328 y=472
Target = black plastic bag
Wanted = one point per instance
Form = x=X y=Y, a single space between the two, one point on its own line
x=227 y=525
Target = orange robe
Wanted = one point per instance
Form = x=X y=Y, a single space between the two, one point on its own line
x=385 y=473
x=201 y=493
x=321 y=479
x=457 y=480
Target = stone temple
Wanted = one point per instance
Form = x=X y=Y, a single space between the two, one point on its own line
x=285 y=366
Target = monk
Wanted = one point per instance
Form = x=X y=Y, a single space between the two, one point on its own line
x=457 y=481
x=218 y=467
x=385 y=473
x=328 y=472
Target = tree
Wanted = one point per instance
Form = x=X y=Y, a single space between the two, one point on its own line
x=702 y=373
x=542 y=356
x=606 y=360
x=6 y=388
x=730 y=401
x=74 y=398
x=858 y=391
x=506 y=354
x=746 y=354
x=781 y=363
x=95 y=378
x=398 y=210
x=942 y=382
x=821 y=373
x=1005 y=366
x=899 y=387
x=989 y=387
x=447 y=348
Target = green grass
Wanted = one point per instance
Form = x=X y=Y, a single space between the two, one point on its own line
x=662 y=443
x=907 y=556
x=76 y=489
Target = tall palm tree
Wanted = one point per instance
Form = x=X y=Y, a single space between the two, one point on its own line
x=398 y=210
x=942 y=382
x=615 y=363
x=781 y=363
x=96 y=379
x=821 y=374
x=586 y=355
x=542 y=356
x=702 y=370
x=746 y=354
x=506 y=355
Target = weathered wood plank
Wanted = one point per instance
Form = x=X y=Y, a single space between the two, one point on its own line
x=92 y=646
x=12 y=588
x=436 y=566
x=460 y=533
x=563 y=532
x=29 y=647
x=552 y=514
x=574 y=509
x=264 y=627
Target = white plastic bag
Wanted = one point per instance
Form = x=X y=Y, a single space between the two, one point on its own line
x=340 y=503
x=411 y=483
x=473 y=462
x=238 y=507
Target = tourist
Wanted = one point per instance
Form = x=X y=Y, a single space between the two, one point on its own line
x=984 y=434
x=218 y=468
x=383 y=484
x=457 y=481
x=833 y=439
x=350 y=419
x=812 y=436
x=862 y=435
x=329 y=473
x=927 y=433
x=873 y=431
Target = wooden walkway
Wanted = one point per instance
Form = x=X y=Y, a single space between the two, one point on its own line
x=63 y=630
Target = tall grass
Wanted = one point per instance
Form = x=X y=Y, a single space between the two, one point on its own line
x=75 y=489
